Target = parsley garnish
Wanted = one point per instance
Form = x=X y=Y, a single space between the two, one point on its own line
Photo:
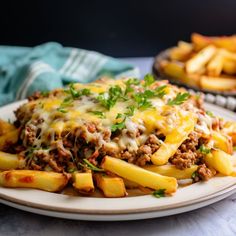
x=141 y=100
x=100 y=114
x=118 y=126
x=149 y=79
x=160 y=91
x=45 y=93
x=62 y=110
x=179 y=99
x=91 y=166
x=77 y=93
x=194 y=175
x=130 y=111
x=109 y=100
x=209 y=113
x=129 y=83
x=204 y=150
x=234 y=148
x=119 y=115
x=159 y=193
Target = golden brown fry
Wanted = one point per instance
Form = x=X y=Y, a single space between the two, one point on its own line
x=197 y=62
x=139 y=175
x=222 y=142
x=181 y=52
x=10 y=161
x=83 y=182
x=9 y=138
x=226 y=42
x=220 y=161
x=172 y=171
x=215 y=65
x=229 y=66
x=230 y=129
x=48 y=181
x=5 y=127
x=218 y=83
x=111 y=186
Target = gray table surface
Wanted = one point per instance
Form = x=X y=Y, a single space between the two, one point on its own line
x=216 y=219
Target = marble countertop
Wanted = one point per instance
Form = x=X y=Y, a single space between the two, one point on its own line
x=216 y=219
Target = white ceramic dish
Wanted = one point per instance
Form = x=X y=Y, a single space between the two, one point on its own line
x=130 y=208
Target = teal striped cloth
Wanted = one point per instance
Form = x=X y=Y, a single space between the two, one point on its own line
x=24 y=70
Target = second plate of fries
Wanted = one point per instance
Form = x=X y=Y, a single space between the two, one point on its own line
x=206 y=63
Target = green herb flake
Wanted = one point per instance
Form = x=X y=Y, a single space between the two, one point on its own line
x=91 y=166
x=45 y=93
x=179 y=99
x=148 y=79
x=100 y=114
x=130 y=111
x=118 y=126
x=209 y=113
x=62 y=110
x=159 y=193
x=204 y=150
x=194 y=175
x=72 y=170
x=160 y=91
x=234 y=148
x=119 y=115
x=142 y=101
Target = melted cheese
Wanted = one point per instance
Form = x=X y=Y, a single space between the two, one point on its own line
x=77 y=115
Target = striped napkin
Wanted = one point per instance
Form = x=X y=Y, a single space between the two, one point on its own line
x=48 y=66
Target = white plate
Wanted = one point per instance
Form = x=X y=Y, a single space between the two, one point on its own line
x=142 y=207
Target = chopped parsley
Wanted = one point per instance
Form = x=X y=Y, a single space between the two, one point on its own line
x=118 y=126
x=77 y=93
x=234 y=148
x=209 y=113
x=159 y=193
x=62 y=110
x=148 y=80
x=160 y=91
x=204 y=150
x=179 y=99
x=45 y=93
x=91 y=166
x=141 y=100
x=100 y=114
x=194 y=175
x=129 y=83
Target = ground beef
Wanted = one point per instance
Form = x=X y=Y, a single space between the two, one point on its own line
x=203 y=173
x=187 y=153
x=36 y=95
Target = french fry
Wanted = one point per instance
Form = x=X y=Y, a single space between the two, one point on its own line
x=222 y=142
x=5 y=127
x=139 y=175
x=48 y=181
x=215 y=65
x=220 y=161
x=177 y=71
x=218 y=83
x=197 y=62
x=9 y=138
x=199 y=41
x=226 y=42
x=172 y=171
x=229 y=66
x=111 y=186
x=83 y=182
x=10 y=161
x=174 y=140
x=230 y=129
x=181 y=52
